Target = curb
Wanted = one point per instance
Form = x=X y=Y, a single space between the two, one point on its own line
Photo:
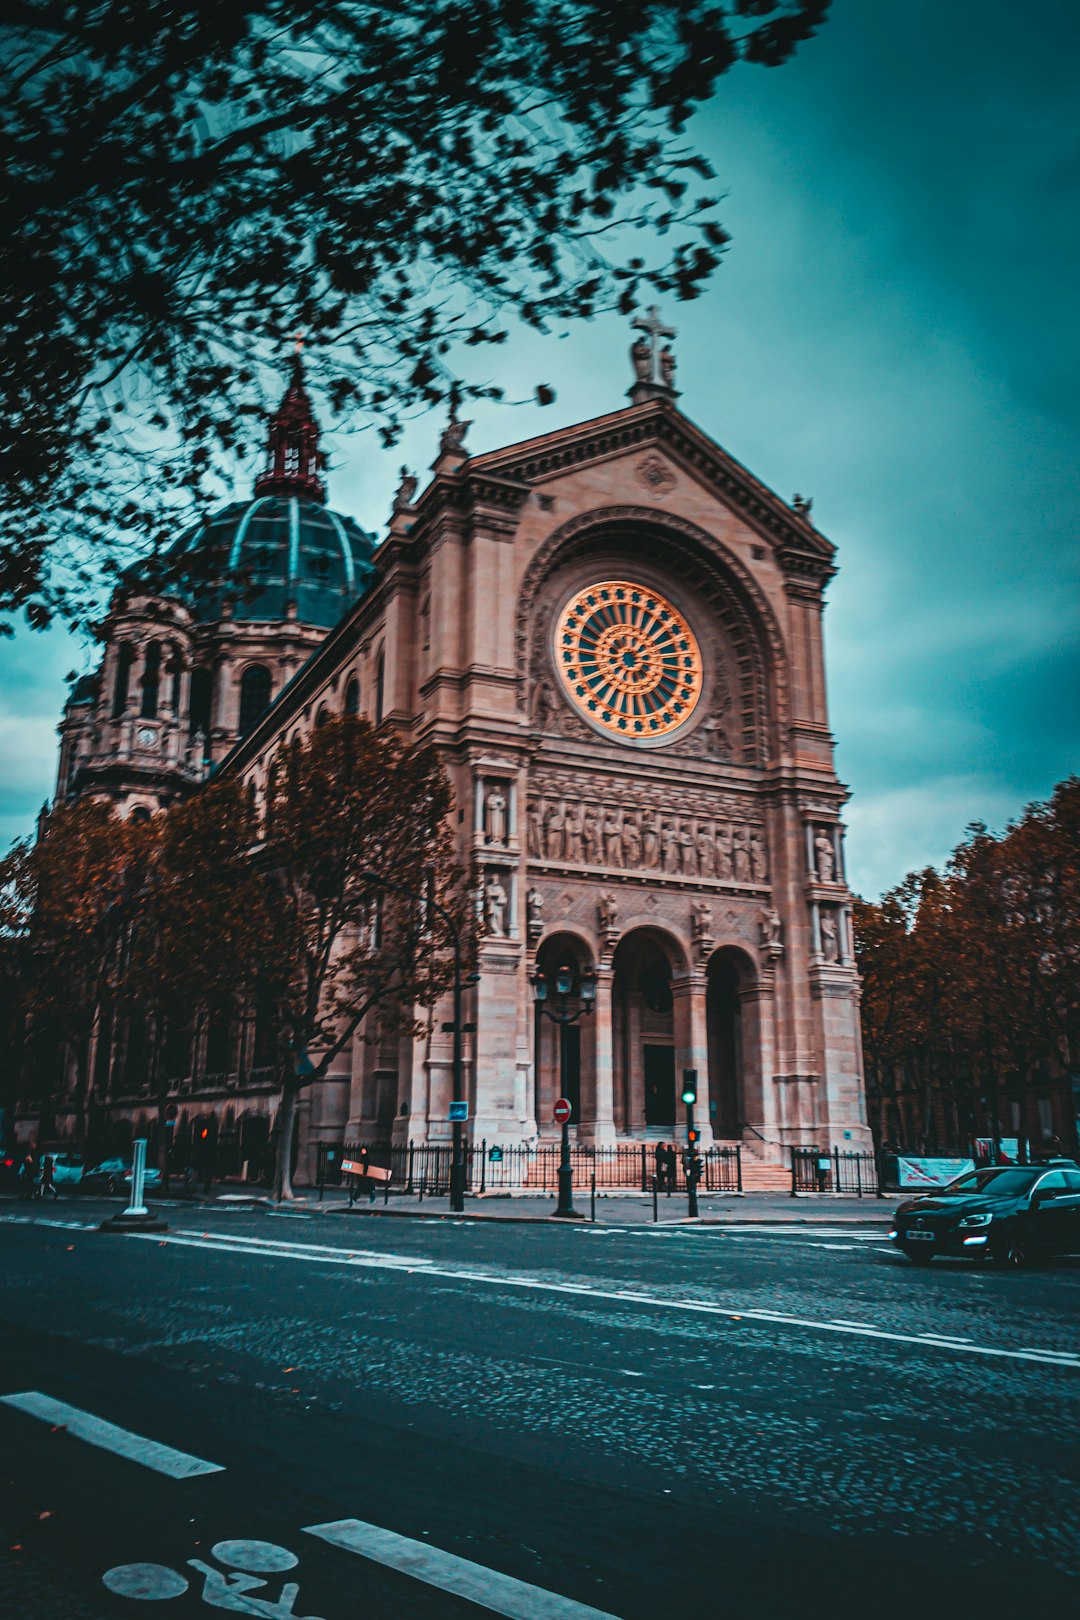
x=809 y=1221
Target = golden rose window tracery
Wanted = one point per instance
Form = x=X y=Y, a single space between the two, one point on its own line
x=628 y=660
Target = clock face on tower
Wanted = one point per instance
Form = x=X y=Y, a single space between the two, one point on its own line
x=628 y=660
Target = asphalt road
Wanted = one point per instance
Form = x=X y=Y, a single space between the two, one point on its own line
x=640 y=1423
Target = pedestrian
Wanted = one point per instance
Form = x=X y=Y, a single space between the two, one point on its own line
x=671 y=1155
x=660 y=1153
x=48 y=1183
x=360 y=1177
x=28 y=1178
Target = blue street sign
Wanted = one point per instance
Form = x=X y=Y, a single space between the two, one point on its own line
x=459 y=1112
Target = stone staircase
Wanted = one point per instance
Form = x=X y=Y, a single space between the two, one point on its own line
x=761 y=1178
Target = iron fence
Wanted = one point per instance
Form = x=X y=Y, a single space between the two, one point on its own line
x=816 y=1170
x=423 y=1169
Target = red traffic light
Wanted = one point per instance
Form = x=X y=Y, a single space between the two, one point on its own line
x=692 y=1136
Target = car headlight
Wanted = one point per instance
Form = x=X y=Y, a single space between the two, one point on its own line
x=976 y=1220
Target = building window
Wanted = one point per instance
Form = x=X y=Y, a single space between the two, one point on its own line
x=124 y=660
x=352 y=697
x=322 y=717
x=151 y=681
x=254 y=697
x=202 y=694
x=380 y=683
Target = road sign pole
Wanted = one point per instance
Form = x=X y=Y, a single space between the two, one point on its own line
x=689 y=1097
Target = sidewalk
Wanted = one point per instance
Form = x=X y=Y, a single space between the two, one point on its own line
x=751 y=1209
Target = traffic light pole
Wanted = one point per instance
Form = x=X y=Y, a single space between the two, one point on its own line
x=689 y=1097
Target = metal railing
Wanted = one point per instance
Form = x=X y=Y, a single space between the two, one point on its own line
x=423 y=1169
x=816 y=1170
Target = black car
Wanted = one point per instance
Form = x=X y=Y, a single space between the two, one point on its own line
x=1012 y=1214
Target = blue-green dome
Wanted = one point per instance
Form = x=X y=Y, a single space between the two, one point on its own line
x=262 y=554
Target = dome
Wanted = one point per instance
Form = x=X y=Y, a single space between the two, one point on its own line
x=261 y=555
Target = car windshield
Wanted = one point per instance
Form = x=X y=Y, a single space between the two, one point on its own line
x=1004 y=1182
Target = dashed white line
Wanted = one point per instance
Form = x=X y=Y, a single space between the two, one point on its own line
x=121 y=1442
x=322 y=1254
x=499 y=1594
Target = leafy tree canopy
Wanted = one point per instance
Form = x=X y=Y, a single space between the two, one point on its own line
x=185 y=185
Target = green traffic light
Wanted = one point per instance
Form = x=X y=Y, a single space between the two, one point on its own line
x=689 y=1096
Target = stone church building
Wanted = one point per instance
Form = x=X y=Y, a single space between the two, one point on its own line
x=613 y=634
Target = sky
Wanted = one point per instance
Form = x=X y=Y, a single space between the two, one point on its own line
x=895 y=332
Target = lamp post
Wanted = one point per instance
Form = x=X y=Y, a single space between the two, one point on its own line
x=562 y=1015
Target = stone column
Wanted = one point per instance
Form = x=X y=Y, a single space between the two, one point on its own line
x=603 y=1123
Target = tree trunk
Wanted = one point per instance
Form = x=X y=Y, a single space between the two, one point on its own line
x=286 y=1121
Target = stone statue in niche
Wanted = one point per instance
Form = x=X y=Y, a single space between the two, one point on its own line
x=590 y=837
x=687 y=850
x=701 y=921
x=706 y=850
x=650 y=841
x=724 y=858
x=573 y=832
x=613 y=839
x=669 y=841
x=772 y=931
x=546 y=707
x=826 y=857
x=554 y=822
x=830 y=938
x=495 y=814
x=641 y=358
x=742 y=856
x=759 y=866
x=631 y=841
x=534 y=907
x=607 y=912
x=534 y=829
x=495 y=903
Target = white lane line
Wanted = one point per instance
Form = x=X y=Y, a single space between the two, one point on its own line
x=499 y=1594
x=43 y=1220
x=329 y=1256
x=96 y=1432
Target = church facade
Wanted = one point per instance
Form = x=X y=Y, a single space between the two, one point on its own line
x=613 y=635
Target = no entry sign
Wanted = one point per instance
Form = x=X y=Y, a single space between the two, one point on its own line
x=562 y=1111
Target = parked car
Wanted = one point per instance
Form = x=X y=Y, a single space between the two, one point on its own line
x=114 y=1176
x=68 y=1169
x=1011 y=1214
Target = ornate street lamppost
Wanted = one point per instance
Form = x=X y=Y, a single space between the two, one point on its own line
x=562 y=1015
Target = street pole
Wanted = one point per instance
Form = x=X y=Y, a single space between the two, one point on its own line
x=689 y=1096
x=566 y=1169
x=457 y=1161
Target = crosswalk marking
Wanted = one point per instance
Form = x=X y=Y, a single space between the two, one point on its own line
x=499 y=1594
x=122 y=1442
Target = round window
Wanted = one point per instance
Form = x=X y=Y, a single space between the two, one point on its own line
x=628 y=660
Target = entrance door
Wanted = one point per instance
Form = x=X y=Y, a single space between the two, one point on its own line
x=659 y=1085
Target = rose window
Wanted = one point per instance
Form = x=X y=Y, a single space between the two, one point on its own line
x=628 y=659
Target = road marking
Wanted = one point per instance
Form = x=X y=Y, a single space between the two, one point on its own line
x=44 y=1220
x=500 y=1594
x=324 y=1254
x=96 y=1432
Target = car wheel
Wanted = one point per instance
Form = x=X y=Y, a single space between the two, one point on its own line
x=111 y=1187
x=1014 y=1253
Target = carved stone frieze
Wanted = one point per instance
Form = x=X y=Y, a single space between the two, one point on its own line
x=645 y=828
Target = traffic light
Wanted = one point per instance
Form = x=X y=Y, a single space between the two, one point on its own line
x=689 y=1087
x=693 y=1136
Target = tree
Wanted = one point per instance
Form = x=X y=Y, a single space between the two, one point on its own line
x=359 y=877
x=184 y=185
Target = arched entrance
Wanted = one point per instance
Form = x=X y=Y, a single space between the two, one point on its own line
x=729 y=975
x=643 y=1034
x=564 y=1058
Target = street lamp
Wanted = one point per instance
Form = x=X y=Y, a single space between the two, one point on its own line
x=562 y=1015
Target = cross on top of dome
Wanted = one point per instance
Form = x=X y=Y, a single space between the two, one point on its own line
x=295 y=460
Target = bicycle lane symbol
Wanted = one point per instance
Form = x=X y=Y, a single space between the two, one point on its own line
x=232 y=1588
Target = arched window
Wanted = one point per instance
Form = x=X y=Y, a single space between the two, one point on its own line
x=175 y=667
x=254 y=696
x=202 y=695
x=352 y=697
x=124 y=660
x=151 y=681
x=323 y=715
x=380 y=684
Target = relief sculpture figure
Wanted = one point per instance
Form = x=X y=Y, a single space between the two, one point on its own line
x=650 y=841
x=554 y=822
x=687 y=850
x=573 y=832
x=759 y=866
x=613 y=839
x=669 y=839
x=535 y=829
x=590 y=837
x=742 y=856
x=631 y=841
x=724 y=862
x=706 y=850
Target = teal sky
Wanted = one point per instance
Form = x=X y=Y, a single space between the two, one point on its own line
x=894 y=331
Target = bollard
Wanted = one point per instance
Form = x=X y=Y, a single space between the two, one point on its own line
x=138 y=1179
x=655 y=1210
x=593 y=1197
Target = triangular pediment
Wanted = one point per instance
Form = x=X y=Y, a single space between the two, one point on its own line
x=660 y=426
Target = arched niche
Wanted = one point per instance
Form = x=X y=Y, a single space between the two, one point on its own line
x=644 y=1033
x=564 y=1058
x=732 y=1041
